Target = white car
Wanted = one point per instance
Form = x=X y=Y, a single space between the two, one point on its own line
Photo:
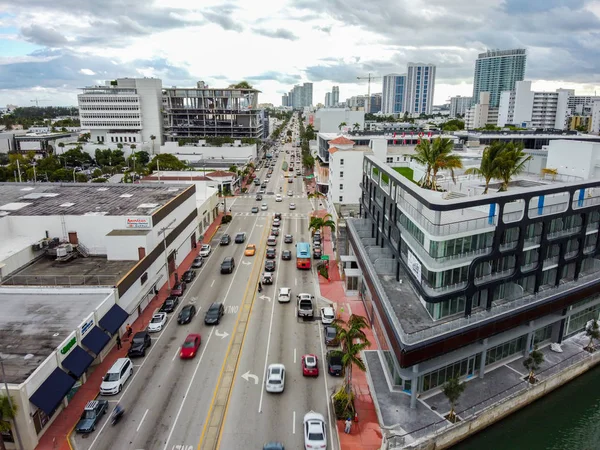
x=157 y=323
x=285 y=295
x=290 y=193
x=314 y=431
x=278 y=198
x=292 y=206
x=264 y=207
x=205 y=250
x=275 y=381
x=327 y=315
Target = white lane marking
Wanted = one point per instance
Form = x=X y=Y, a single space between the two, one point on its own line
x=295 y=281
x=295 y=311
x=294 y=422
x=294 y=356
x=326 y=388
x=176 y=353
x=188 y=388
x=141 y=421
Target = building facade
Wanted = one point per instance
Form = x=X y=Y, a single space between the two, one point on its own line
x=126 y=110
x=497 y=71
x=284 y=100
x=420 y=87
x=193 y=113
x=581 y=105
x=595 y=117
x=328 y=100
x=481 y=114
x=335 y=96
x=459 y=105
x=392 y=97
x=453 y=287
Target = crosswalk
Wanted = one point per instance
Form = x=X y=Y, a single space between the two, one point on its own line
x=270 y=214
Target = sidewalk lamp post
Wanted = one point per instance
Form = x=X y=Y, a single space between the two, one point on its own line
x=163 y=232
x=10 y=405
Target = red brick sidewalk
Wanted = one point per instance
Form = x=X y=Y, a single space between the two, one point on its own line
x=366 y=433
x=57 y=436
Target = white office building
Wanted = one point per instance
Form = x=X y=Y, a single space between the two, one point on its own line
x=459 y=105
x=126 y=111
x=528 y=109
x=581 y=105
x=481 y=114
x=596 y=117
x=335 y=96
x=329 y=120
x=420 y=85
x=328 y=100
x=393 y=94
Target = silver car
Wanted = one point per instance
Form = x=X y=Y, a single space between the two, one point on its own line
x=275 y=381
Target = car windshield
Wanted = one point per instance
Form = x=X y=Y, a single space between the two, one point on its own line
x=89 y=414
x=168 y=303
x=189 y=344
x=214 y=310
x=274 y=381
x=311 y=361
x=331 y=332
x=185 y=312
x=138 y=340
x=111 y=377
x=315 y=436
x=156 y=319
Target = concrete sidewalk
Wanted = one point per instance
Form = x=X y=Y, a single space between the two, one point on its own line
x=57 y=435
x=365 y=433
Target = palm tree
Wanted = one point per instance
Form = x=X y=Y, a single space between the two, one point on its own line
x=533 y=363
x=452 y=390
x=8 y=411
x=353 y=340
x=343 y=124
x=444 y=160
x=152 y=138
x=133 y=147
x=356 y=126
x=318 y=223
x=490 y=164
x=424 y=156
x=512 y=163
x=316 y=194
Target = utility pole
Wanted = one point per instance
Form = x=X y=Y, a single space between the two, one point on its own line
x=369 y=78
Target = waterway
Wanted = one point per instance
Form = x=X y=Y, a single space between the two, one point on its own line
x=566 y=419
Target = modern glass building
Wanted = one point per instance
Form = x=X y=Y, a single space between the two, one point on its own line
x=420 y=86
x=497 y=71
x=392 y=97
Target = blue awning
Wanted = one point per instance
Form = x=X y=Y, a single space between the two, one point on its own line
x=52 y=391
x=77 y=361
x=95 y=340
x=113 y=319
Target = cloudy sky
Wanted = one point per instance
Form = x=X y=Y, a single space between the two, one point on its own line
x=48 y=49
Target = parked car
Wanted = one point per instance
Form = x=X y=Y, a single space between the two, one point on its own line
x=190 y=346
x=225 y=239
x=285 y=295
x=278 y=198
x=288 y=239
x=169 y=305
x=276 y=223
x=330 y=334
x=198 y=262
x=286 y=255
x=186 y=314
x=140 y=342
x=188 y=276
x=205 y=250
x=327 y=315
x=258 y=197
x=271 y=253
x=334 y=363
x=228 y=265
x=272 y=240
x=254 y=209
x=116 y=377
x=240 y=238
x=158 y=321
x=275 y=381
x=310 y=367
x=315 y=434
x=92 y=413
x=178 y=289
x=275 y=231
x=270 y=265
x=317 y=253
x=214 y=313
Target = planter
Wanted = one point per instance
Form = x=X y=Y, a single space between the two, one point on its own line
x=343 y=404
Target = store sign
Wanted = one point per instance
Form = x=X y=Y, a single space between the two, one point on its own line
x=138 y=222
x=87 y=326
x=415 y=265
x=68 y=346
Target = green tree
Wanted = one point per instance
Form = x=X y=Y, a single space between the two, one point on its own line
x=97 y=173
x=512 y=163
x=356 y=126
x=241 y=85
x=233 y=169
x=62 y=175
x=166 y=161
x=133 y=147
x=453 y=125
x=593 y=332
x=8 y=412
x=318 y=223
x=343 y=124
x=489 y=167
x=436 y=155
x=453 y=389
x=61 y=145
x=118 y=157
x=353 y=341
x=533 y=362
x=81 y=177
x=76 y=157
x=3 y=159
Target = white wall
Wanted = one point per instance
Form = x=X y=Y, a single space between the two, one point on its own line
x=198 y=153
x=523 y=102
x=125 y=247
x=595 y=117
x=328 y=120
x=150 y=92
x=352 y=176
x=575 y=158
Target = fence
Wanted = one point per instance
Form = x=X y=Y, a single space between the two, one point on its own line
x=62 y=280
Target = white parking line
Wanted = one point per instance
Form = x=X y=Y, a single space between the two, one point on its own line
x=295 y=281
x=141 y=421
x=213 y=282
x=294 y=356
x=326 y=387
x=294 y=422
x=176 y=353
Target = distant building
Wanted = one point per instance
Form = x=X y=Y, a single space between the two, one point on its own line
x=596 y=117
x=420 y=86
x=582 y=104
x=329 y=120
x=284 y=100
x=328 y=100
x=335 y=96
x=459 y=105
x=481 y=114
x=497 y=71
x=392 y=97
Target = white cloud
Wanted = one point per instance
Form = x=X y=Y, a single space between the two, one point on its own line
x=87 y=72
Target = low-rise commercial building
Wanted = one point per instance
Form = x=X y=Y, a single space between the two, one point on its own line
x=329 y=120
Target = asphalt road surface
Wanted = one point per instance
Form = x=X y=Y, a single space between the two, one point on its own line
x=167 y=401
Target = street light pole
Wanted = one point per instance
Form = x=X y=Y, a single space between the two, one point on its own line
x=10 y=405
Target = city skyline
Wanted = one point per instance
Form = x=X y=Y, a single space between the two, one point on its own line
x=49 y=51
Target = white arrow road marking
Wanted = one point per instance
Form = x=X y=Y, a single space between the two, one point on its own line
x=246 y=263
x=264 y=297
x=222 y=335
x=248 y=375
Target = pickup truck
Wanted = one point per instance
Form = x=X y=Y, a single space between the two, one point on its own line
x=305 y=305
x=92 y=413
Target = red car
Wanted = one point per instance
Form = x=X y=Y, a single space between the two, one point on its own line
x=178 y=289
x=310 y=367
x=190 y=346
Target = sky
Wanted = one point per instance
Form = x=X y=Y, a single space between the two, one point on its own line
x=48 y=50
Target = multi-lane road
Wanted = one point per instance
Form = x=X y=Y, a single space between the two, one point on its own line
x=169 y=402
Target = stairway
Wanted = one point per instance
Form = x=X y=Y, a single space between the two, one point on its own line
x=83 y=250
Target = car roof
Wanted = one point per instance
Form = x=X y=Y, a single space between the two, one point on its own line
x=214 y=305
x=285 y=290
x=186 y=307
x=140 y=334
x=328 y=309
x=192 y=336
x=313 y=416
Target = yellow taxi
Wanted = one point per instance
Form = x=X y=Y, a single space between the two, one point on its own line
x=250 y=250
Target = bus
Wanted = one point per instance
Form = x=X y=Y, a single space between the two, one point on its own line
x=303 y=255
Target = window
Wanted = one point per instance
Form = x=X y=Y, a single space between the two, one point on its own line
x=389 y=159
x=341 y=198
x=505 y=350
x=341 y=174
x=341 y=161
x=341 y=187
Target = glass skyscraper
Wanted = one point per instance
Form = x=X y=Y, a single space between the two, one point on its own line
x=497 y=71
x=392 y=98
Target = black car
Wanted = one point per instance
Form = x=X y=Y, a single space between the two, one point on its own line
x=331 y=335
x=170 y=304
x=188 y=276
x=139 y=344
x=288 y=239
x=277 y=215
x=317 y=253
x=228 y=265
x=240 y=238
x=334 y=363
x=271 y=253
x=92 y=413
x=186 y=314
x=270 y=265
x=258 y=197
x=286 y=255
x=198 y=261
x=225 y=239
x=274 y=231
x=214 y=314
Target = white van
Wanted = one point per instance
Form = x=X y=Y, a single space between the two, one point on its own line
x=116 y=377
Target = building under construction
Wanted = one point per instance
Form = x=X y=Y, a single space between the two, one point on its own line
x=200 y=112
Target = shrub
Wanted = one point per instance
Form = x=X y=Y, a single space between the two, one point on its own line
x=343 y=404
x=226 y=219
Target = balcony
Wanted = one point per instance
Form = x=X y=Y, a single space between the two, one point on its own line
x=562 y=233
x=493 y=276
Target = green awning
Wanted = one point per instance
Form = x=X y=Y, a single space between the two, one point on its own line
x=308 y=177
x=324 y=257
